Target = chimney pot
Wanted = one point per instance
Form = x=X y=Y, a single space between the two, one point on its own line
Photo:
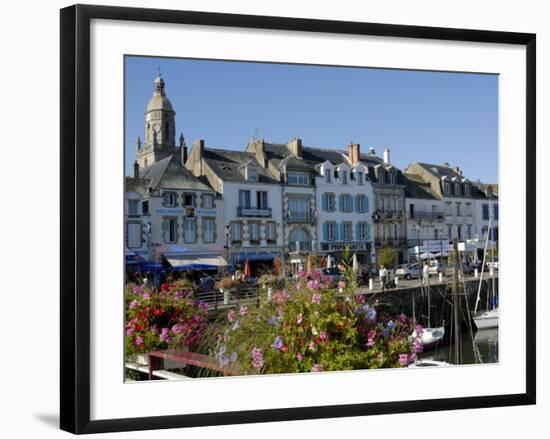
x=136 y=169
x=387 y=155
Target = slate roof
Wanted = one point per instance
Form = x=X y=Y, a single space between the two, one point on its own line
x=416 y=187
x=169 y=173
x=482 y=187
x=132 y=184
x=227 y=165
x=279 y=155
x=441 y=170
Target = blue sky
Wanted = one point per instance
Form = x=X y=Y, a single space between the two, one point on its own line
x=431 y=117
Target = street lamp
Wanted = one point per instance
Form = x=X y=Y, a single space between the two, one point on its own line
x=417 y=228
x=227 y=233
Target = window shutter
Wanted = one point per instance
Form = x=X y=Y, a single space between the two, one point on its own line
x=341 y=231
x=325 y=232
x=358 y=236
x=367 y=232
x=325 y=202
x=366 y=203
x=341 y=202
x=165 y=230
x=336 y=230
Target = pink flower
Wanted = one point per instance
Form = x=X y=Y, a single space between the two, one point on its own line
x=299 y=356
x=133 y=304
x=299 y=318
x=360 y=299
x=313 y=284
x=165 y=335
x=130 y=331
x=146 y=296
x=243 y=310
x=138 y=341
x=403 y=359
x=316 y=368
x=137 y=290
x=323 y=336
x=370 y=338
x=177 y=329
x=231 y=315
x=257 y=358
x=316 y=298
x=311 y=346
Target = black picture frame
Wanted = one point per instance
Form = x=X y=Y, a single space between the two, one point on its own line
x=75 y=217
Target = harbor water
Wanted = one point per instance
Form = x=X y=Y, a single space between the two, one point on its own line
x=482 y=348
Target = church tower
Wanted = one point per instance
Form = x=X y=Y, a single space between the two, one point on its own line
x=160 y=128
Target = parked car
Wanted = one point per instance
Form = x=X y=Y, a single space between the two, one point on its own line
x=408 y=271
x=205 y=284
x=435 y=267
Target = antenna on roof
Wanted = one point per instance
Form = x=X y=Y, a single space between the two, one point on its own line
x=255 y=135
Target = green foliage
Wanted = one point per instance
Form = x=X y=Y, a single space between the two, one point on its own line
x=387 y=257
x=310 y=326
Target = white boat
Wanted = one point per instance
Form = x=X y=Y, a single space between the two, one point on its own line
x=430 y=337
x=486 y=319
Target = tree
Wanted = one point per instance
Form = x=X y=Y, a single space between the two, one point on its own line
x=387 y=257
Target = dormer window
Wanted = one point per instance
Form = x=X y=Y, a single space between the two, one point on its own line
x=328 y=175
x=298 y=178
x=359 y=177
x=457 y=188
x=391 y=178
x=467 y=190
x=251 y=174
x=344 y=176
x=447 y=188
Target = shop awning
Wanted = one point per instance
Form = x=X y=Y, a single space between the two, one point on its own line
x=197 y=263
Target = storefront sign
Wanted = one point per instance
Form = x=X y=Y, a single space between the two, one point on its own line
x=340 y=246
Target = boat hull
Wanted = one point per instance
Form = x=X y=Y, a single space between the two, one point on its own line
x=487 y=319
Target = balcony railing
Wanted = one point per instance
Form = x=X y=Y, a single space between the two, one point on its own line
x=299 y=217
x=390 y=242
x=264 y=212
x=427 y=215
x=388 y=216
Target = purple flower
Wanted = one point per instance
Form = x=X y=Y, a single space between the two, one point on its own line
x=278 y=343
x=231 y=315
x=390 y=324
x=316 y=298
x=177 y=329
x=224 y=360
x=273 y=321
x=203 y=306
x=257 y=358
x=146 y=296
x=313 y=284
x=178 y=295
x=165 y=335
x=138 y=341
x=233 y=357
x=419 y=330
x=137 y=290
x=299 y=356
x=133 y=304
x=402 y=318
x=316 y=368
x=130 y=331
x=417 y=346
x=243 y=310
x=371 y=314
x=403 y=359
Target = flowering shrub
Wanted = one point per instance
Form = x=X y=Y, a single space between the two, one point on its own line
x=158 y=319
x=311 y=326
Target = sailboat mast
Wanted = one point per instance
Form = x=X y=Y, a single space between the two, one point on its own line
x=456 y=305
x=478 y=298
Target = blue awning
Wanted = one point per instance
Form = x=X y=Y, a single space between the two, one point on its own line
x=194 y=267
x=145 y=267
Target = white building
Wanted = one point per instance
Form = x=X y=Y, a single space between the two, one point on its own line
x=180 y=217
x=344 y=195
x=253 y=204
x=485 y=207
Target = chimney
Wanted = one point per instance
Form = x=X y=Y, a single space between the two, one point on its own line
x=183 y=150
x=354 y=153
x=198 y=146
x=295 y=147
x=387 y=155
x=458 y=170
x=372 y=151
x=136 y=169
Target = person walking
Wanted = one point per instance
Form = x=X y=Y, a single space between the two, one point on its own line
x=425 y=273
x=383 y=273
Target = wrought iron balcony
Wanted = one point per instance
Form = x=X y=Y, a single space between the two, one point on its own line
x=262 y=212
x=427 y=215
x=300 y=217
